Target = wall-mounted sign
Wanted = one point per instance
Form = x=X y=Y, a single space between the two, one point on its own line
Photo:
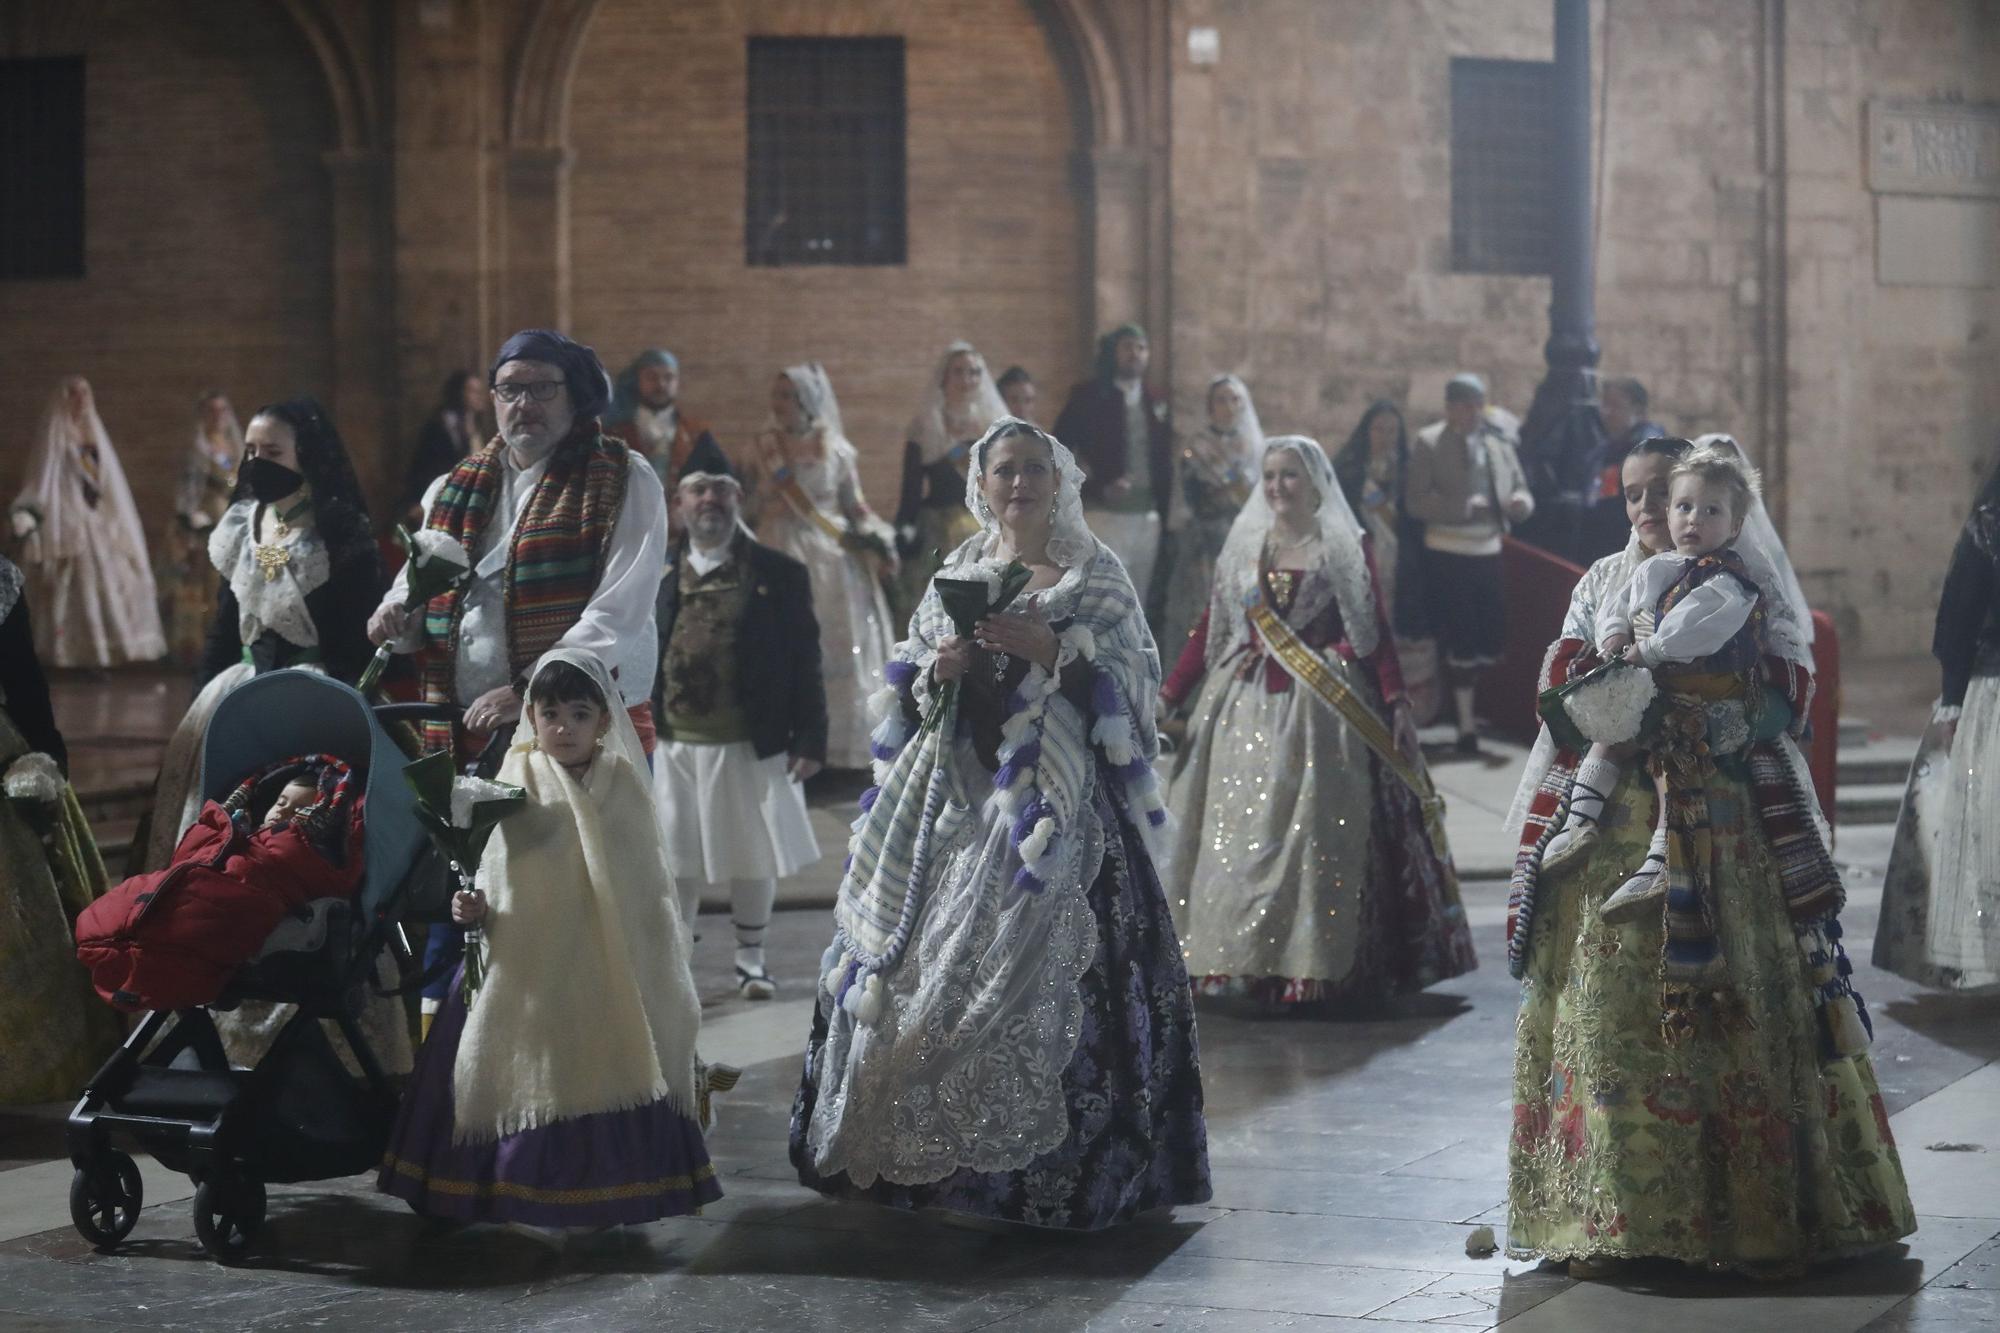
x=1934 y=148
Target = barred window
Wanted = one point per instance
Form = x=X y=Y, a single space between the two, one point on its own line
x=1502 y=148
x=41 y=168
x=826 y=163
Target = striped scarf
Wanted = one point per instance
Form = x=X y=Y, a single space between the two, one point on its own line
x=556 y=558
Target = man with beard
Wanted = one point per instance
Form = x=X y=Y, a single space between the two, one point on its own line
x=741 y=708
x=566 y=538
x=646 y=413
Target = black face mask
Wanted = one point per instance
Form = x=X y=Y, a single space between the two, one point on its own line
x=269 y=481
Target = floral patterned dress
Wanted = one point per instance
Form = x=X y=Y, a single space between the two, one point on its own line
x=1747 y=1143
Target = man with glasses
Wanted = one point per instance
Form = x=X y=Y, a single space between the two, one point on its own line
x=567 y=531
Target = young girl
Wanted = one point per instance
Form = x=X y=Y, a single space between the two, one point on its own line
x=563 y=1092
x=1690 y=616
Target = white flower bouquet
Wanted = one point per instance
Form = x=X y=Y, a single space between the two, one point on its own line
x=460 y=813
x=437 y=563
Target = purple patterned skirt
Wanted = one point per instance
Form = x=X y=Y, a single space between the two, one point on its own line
x=1137 y=1054
x=589 y=1170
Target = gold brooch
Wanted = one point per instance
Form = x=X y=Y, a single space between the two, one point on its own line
x=272 y=559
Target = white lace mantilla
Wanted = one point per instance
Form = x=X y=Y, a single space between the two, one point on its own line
x=276 y=604
x=964 y=1067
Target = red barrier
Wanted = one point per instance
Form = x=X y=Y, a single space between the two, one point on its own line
x=1823 y=716
x=1538 y=586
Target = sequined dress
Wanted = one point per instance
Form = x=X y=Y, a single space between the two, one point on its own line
x=1301 y=869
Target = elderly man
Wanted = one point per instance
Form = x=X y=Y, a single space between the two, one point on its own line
x=1117 y=425
x=742 y=711
x=566 y=537
x=1466 y=486
x=646 y=413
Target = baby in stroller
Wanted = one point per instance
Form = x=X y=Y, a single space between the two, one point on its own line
x=172 y=939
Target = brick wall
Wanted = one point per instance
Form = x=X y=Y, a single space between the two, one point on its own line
x=206 y=233
x=657 y=123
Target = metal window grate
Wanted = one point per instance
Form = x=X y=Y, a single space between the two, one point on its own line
x=1501 y=154
x=826 y=181
x=41 y=168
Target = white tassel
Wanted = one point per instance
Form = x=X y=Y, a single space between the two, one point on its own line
x=1035 y=846
x=1079 y=637
x=1113 y=735
x=868 y=1007
x=883 y=703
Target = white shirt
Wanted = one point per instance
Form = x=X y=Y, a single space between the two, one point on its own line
x=1700 y=623
x=704 y=562
x=657 y=428
x=617 y=624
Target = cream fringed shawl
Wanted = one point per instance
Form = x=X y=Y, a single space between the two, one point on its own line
x=588 y=1003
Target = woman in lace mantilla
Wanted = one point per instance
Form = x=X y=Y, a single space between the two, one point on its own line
x=802 y=494
x=1303 y=870
x=1004 y=1026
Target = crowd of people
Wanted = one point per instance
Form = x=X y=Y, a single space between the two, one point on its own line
x=660 y=637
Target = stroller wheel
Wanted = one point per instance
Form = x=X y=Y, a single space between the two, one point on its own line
x=104 y=1198
x=227 y=1216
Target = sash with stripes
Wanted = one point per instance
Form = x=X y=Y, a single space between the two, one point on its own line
x=1319 y=677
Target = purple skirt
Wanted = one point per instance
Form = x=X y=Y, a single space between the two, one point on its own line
x=590 y=1170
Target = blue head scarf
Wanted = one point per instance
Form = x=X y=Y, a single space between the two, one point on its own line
x=589 y=385
x=625 y=397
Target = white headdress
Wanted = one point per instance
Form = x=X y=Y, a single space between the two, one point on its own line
x=1070 y=540
x=1788 y=616
x=1338 y=560
x=56 y=474
x=1243 y=444
x=609 y=943
x=930 y=431
x=816 y=400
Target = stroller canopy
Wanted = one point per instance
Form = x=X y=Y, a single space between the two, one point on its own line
x=283 y=713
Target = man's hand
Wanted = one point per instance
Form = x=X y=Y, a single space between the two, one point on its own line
x=801 y=769
x=24 y=523
x=1518 y=508
x=388 y=622
x=1478 y=506
x=1119 y=489
x=494 y=708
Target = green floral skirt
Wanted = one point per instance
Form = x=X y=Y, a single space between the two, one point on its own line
x=1740 y=1146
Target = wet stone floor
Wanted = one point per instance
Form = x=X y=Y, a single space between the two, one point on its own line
x=1351 y=1160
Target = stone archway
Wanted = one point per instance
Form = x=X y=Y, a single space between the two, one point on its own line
x=1105 y=52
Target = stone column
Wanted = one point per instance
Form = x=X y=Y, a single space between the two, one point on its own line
x=1120 y=234
x=534 y=289
x=1562 y=430
x=361 y=397
x=442 y=261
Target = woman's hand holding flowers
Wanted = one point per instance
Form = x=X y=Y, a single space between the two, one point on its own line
x=1018 y=635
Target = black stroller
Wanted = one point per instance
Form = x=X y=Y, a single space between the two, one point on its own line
x=298 y=1115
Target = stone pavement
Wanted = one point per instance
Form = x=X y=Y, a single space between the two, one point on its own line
x=1351 y=1159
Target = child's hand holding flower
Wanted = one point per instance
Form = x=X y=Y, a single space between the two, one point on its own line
x=468 y=907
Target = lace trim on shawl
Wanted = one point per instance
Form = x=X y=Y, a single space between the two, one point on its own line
x=274 y=604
